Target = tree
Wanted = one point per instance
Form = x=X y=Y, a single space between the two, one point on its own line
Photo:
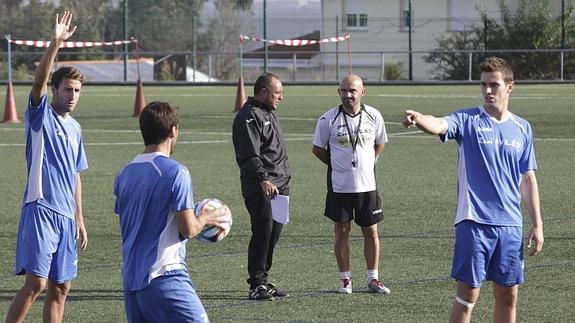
x=25 y=20
x=531 y=26
x=223 y=36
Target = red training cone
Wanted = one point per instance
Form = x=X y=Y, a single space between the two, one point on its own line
x=240 y=95
x=140 y=102
x=10 y=115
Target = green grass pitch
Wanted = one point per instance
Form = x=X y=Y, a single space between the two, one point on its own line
x=416 y=178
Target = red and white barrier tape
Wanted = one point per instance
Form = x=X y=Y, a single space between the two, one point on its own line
x=70 y=44
x=297 y=42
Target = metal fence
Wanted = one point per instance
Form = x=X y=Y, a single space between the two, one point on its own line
x=293 y=66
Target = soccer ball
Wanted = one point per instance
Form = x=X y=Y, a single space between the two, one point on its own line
x=210 y=234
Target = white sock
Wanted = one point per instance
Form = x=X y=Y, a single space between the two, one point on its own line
x=372 y=274
x=345 y=274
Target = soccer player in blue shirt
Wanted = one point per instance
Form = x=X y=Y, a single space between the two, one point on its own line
x=51 y=219
x=496 y=171
x=154 y=201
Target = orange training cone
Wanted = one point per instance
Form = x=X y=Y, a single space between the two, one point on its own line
x=10 y=115
x=140 y=100
x=240 y=95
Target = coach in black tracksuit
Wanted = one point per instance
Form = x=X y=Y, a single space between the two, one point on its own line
x=264 y=172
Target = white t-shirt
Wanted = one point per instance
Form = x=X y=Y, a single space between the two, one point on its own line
x=352 y=170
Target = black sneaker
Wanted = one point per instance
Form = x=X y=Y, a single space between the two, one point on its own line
x=261 y=293
x=276 y=292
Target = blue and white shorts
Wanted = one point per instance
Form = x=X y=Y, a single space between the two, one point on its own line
x=46 y=245
x=169 y=298
x=487 y=252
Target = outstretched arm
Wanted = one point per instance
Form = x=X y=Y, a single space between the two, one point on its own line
x=426 y=123
x=530 y=194
x=62 y=32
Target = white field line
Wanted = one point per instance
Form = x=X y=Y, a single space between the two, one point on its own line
x=289 y=137
x=122 y=92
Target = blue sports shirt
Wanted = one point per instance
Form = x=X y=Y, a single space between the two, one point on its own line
x=149 y=190
x=54 y=155
x=492 y=156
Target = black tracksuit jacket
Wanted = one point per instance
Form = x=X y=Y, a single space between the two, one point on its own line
x=260 y=147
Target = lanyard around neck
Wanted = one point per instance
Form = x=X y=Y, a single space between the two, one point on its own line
x=349 y=132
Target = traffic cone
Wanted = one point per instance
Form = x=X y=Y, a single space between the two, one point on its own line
x=140 y=100
x=240 y=95
x=10 y=115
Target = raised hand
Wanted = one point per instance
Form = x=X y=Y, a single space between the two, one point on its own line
x=62 y=29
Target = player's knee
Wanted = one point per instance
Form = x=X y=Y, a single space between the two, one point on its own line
x=342 y=230
x=506 y=296
x=60 y=290
x=465 y=303
x=34 y=284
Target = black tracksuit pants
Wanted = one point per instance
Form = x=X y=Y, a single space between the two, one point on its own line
x=265 y=235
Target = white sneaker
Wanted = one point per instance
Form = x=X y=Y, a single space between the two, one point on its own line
x=376 y=286
x=346 y=286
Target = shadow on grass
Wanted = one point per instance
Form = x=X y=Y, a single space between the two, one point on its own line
x=75 y=295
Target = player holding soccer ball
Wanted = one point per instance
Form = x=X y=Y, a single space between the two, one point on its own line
x=154 y=201
x=496 y=171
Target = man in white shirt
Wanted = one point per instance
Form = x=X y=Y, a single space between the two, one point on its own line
x=348 y=139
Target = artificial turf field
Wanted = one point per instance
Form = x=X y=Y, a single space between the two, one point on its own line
x=416 y=176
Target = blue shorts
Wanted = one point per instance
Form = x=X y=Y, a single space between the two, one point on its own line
x=487 y=252
x=169 y=298
x=46 y=245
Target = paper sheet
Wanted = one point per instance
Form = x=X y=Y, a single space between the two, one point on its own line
x=280 y=208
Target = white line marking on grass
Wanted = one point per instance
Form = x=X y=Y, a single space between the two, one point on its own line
x=289 y=137
x=536 y=96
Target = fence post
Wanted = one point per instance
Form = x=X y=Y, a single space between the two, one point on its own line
x=562 y=63
x=210 y=66
x=382 y=76
x=294 y=59
x=470 y=66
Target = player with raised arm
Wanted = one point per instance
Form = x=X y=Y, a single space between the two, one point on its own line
x=51 y=219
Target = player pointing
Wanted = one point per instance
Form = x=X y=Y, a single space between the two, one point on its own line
x=51 y=218
x=496 y=171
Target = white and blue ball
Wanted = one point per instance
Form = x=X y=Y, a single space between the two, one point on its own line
x=211 y=234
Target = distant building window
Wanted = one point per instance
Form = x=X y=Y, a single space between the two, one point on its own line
x=356 y=21
x=406 y=16
x=355 y=14
x=363 y=20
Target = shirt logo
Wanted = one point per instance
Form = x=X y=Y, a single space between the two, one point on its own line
x=267 y=123
x=250 y=120
x=485 y=129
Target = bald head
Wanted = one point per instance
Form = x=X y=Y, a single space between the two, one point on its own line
x=350 y=92
x=351 y=79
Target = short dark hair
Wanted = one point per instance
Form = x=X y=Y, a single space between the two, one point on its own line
x=157 y=120
x=263 y=82
x=497 y=64
x=67 y=72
